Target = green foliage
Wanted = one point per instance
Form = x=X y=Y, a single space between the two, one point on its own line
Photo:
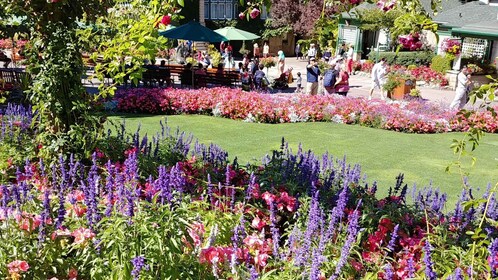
x=271 y=31
x=391 y=83
x=441 y=63
x=404 y=58
x=410 y=23
x=133 y=40
x=375 y=19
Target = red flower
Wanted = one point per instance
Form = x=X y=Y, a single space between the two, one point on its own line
x=17 y=266
x=242 y=15
x=166 y=20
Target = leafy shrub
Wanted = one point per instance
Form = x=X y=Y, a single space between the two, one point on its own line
x=403 y=58
x=441 y=63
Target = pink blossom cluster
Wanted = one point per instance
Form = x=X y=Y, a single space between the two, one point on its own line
x=413 y=117
x=451 y=46
x=411 y=42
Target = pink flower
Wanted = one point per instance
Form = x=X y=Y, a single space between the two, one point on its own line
x=268 y=198
x=253 y=242
x=81 y=235
x=196 y=232
x=73 y=274
x=17 y=266
x=242 y=15
x=257 y=223
x=254 y=13
x=261 y=259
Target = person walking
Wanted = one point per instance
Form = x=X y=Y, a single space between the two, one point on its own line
x=311 y=52
x=349 y=60
x=266 y=50
x=312 y=75
x=256 y=51
x=297 y=50
x=281 y=62
x=462 y=90
x=379 y=77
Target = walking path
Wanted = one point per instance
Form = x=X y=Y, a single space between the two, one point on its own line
x=360 y=84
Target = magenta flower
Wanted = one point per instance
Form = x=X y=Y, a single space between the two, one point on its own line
x=254 y=13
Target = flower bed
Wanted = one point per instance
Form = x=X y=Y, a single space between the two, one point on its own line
x=414 y=116
x=421 y=73
x=298 y=216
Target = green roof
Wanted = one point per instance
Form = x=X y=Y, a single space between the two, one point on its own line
x=469 y=13
x=484 y=29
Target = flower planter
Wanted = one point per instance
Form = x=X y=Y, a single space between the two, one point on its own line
x=399 y=92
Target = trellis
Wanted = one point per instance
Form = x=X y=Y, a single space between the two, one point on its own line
x=474 y=47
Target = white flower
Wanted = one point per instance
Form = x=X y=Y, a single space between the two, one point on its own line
x=250 y=118
x=337 y=119
x=217 y=112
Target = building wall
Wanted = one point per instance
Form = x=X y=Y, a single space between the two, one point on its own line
x=286 y=43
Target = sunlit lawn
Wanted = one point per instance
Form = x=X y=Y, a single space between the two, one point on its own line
x=382 y=154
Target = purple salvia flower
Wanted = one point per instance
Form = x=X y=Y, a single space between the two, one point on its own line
x=311 y=227
x=254 y=274
x=457 y=275
x=493 y=255
x=162 y=184
x=109 y=188
x=139 y=265
x=210 y=196
x=392 y=241
x=352 y=232
x=337 y=214
x=130 y=207
x=295 y=235
x=274 y=231
x=317 y=260
x=429 y=265
x=389 y=273
x=5 y=196
x=44 y=216
x=410 y=267
x=250 y=187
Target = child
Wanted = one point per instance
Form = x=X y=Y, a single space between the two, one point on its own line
x=299 y=81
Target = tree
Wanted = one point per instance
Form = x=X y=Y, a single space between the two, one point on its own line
x=66 y=120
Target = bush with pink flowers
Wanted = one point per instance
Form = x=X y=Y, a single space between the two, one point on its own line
x=412 y=117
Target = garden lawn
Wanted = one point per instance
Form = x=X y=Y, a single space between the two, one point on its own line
x=382 y=154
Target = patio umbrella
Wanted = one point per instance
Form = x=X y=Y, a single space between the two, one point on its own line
x=235 y=34
x=193 y=31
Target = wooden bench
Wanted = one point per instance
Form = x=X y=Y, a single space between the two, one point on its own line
x=213 y=78
x=13 y=78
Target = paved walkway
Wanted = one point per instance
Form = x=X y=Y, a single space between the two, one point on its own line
x=360 y=84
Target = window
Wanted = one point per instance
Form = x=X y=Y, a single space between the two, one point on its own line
x=220 y=9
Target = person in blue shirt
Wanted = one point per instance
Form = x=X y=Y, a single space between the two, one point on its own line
x=312 y=76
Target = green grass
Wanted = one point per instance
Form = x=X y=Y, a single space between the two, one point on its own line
x=382 y=154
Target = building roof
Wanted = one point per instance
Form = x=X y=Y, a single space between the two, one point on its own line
x=474 y=12
x=483 y=29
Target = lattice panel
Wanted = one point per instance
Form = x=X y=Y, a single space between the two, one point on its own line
x=474 y=47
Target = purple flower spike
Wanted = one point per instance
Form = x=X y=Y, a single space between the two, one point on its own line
x=429 y=265
x=138 y=266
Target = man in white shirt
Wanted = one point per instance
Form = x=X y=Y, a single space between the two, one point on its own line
x=462 y=89
x=379 y=77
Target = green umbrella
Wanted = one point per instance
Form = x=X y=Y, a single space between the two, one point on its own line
x=193 y=31
x=235 y=34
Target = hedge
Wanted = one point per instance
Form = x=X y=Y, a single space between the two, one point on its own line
x=404 y=58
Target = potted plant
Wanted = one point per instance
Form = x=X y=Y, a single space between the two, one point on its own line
x=398 y=84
